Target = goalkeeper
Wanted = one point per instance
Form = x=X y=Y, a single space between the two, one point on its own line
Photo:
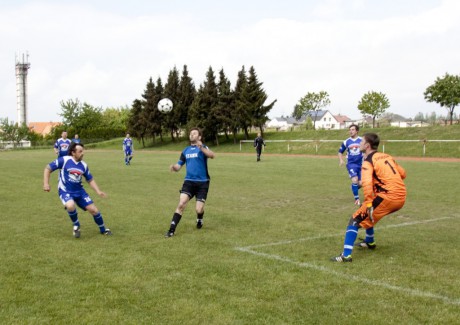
x=384 y=193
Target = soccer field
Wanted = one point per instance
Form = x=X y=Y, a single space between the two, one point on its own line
x=262 y=256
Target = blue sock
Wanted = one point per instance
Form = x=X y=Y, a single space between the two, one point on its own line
x=100 y=222
x=369 y=235
x=354 y=189
x=74 y=217
x=350 y=237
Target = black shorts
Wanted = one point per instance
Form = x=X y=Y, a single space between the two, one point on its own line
x=198 y=189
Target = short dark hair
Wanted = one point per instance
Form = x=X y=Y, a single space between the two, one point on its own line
x=73 y=146
x=197 y=129
x=373 y=140
x=354 y=125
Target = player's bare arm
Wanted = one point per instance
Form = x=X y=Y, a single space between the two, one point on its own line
x=96 y=189
x=46 y=179
x=207 y=152
x=175 y=168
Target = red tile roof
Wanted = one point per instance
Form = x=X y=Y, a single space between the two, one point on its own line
x=43 y=128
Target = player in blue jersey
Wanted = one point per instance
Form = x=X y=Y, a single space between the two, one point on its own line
x=197 y=179
x=354 y=160
x=71 y=192
x=76 y=138
x=128 y=149
x=61 y=146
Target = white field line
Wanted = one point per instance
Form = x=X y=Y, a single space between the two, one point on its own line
x=411 y=292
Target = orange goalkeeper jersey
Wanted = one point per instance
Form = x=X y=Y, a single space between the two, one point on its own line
x=382 y=176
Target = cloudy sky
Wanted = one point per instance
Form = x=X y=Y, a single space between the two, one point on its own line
x=104 y=52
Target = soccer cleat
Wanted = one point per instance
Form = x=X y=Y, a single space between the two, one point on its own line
x=341 y=258
x=107 y=232
x=199 y=223
x=76 y=231
x=357 y=202
x=169 y=234
x=364 y=244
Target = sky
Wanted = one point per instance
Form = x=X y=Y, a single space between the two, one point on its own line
x=104 y=52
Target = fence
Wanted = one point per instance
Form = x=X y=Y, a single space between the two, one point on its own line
x=317 y=143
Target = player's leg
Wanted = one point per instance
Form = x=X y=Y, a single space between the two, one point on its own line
x=86 y=203
x=71 y=208
x=202 y=194
x=353 y=172
x=184 y=198
x=351 y=234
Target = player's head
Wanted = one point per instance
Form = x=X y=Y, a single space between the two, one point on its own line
x=353 y=129
x=195 y=135
x=370 y=140
x=76 y=136
x=258 y=134
x=64 y=134
x=127 y=135
x=76 y=150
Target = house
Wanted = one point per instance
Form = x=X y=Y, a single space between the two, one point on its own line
x=324 y=120
x=42 y=128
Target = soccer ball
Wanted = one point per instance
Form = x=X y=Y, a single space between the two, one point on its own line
x=165 y=105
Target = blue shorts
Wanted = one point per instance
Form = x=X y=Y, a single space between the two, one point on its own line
x=354 y=171
x=128 y=152
x=82 y=199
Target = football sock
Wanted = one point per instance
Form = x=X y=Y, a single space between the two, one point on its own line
x=199 y=216
x=175 y=221
x=100 y=222
x=354 y=189
x=74 y=217
x=350 y=237
x=369 y=235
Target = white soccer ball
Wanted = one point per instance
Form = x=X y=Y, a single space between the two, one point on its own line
x=165 y=105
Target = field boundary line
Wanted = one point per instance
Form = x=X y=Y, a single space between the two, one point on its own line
x=412 y=292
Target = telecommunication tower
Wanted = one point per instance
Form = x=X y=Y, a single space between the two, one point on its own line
x=22 y=68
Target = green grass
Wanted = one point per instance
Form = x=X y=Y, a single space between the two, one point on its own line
x=261 y=257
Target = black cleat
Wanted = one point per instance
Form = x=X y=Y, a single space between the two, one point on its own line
x=107 y=232
x=169 y=234
x=199 y=223
x=364 y=244
x=341 y=258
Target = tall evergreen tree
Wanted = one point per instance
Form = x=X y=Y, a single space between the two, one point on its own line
x=137 y=122
x=226 y=106
x=171 y=91
x=256 y=97
x=187 y=94
x=203 y=110
x=150 y=110
x=242 y=111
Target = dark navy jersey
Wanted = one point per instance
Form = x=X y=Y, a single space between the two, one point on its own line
x=62 y=146
x=71 y=174
x=259 y=142
x=354 y=155
x=197 y=164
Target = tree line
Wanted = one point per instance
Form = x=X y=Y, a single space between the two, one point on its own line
x=216 y=107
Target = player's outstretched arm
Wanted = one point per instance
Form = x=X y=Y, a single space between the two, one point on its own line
x=175 y=167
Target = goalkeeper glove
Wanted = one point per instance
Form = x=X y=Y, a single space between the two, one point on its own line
x=370 y=212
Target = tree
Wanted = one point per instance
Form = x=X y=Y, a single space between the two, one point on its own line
x=256 y=97
x=171 y=91
x=137 y=122
x=203 y=110
x=311 y=102
x=13 y=132
x=116 y=118
x=241 y=105
x=225 y=109
x=373 y=104
x=446 y=92
x=187 y=93
x=151 y=114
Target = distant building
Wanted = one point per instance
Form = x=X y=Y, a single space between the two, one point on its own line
x=42 y=128
x=322 y=120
